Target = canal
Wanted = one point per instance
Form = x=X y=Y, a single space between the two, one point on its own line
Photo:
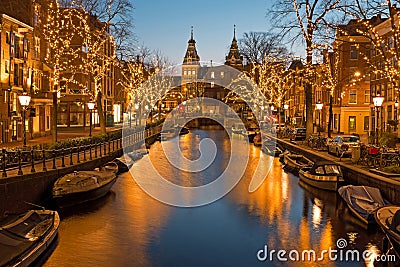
x=129 y=228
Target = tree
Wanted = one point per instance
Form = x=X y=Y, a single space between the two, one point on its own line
x=255 y=46
x=302 y=21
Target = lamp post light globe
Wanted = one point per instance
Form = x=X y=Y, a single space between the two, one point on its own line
x=90 y=107
x=378 y=100
x=286 y=106
x=396 y=106
x=24 y=100
x=319 y=106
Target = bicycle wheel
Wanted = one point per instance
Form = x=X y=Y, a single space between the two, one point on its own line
x=371 y=162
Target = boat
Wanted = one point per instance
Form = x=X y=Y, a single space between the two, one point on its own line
x=324 y=175
x=388 y=218
x=110 y=167
x=250 y=133
x=257 y=140
x=124 y=164
x=23 y=238
x=271 y=148
x=294 y=162
x=362 y=201
x=135 y=155
x=82 y=186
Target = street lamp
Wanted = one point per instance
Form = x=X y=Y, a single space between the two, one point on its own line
x=319 y=106
x=396 y=105
x=91 y=107
x=24 y=100
x=378 y=100
x=286 y=107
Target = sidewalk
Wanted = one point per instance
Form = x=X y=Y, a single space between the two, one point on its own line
x=62 y=134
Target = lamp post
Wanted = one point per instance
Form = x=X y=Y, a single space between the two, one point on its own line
x=286 y=107
x=91 y=107
x=396 y=105
x=24 y=100
x=319 y=106
x=378 y=100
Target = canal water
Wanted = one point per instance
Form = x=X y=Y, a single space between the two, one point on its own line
x=129 y=228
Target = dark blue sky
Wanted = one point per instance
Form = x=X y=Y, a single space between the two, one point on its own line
x=165 y=25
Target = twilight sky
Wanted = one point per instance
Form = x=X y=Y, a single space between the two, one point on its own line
x=165 y=25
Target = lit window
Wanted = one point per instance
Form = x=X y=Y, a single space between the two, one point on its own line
x=222 y=74
x=352 y=122
x=184 y=72
x=212 y=75
x=212 y=84
x=366 y=123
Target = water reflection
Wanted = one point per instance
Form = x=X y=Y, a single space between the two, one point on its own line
x=132 y=229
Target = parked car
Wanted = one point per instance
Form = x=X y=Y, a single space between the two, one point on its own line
x=343 y=144
x=298 y=134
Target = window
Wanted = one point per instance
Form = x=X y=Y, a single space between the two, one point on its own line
x=212 y=84
x=212 y=75
x=390 y=42
x=7 y=65
x=366 y=123
x=352 y=123
x=389 y=113
x=222 y=74
x=184 y=72
x=389 y=92
x=353 y=52
x=335 y=121
x=353 y=96
x=193 y=72
x=367 y=96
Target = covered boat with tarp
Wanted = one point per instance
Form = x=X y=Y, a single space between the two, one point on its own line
x=82 y=186
x=388 y=218
x=23 y=238
x=323 y=174
x=362 y=201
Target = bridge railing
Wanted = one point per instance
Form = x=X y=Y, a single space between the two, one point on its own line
x=20 y=162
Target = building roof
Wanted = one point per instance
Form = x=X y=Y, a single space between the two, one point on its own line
x=191 y=56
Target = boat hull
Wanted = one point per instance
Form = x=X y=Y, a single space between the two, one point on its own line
x=381 y=216
x=76 y=198
x=38 y=246
x=292 y=162
x=331 y=183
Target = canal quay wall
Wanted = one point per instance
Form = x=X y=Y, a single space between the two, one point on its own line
x=19 y=193
x=389 y=187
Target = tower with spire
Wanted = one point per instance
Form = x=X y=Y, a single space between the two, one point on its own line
x=234 y=59
x=191 y=62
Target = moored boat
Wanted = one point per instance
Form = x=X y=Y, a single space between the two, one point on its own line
x=25 y=237
x=82 y=186
x=257 y=140
x=388 y=218
x=294 y=162
x=362 y=201
x=124 y=164
x=323 y=175
x=271 y=148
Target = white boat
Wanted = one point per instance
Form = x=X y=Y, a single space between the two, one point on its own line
x=323 y=175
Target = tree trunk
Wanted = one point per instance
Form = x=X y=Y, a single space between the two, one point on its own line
x=330 y=116
x=100 y=112
x=308 y=91
x=54 y=119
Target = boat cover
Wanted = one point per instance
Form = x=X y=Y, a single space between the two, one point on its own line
x=365 y=200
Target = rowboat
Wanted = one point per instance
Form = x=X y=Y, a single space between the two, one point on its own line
x=82 y=186
x=323 y=175
x=294 y=162
x=388 y=218
x=23 y=238
x=362 y=201
x=124 y=164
